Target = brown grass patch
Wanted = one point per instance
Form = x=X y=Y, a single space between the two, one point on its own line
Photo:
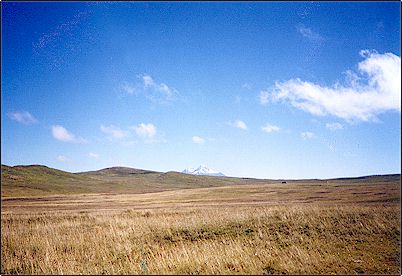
x=261 y=229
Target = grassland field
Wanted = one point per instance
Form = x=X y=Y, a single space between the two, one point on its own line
x=221 y=226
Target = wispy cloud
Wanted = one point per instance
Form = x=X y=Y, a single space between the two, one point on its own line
x=62 y=134
x=307 y=135
x=264 y=97
x=333 y=126
x=158 y=91
x=148 y=81
x=47 y=46
x=149 y=133
x=309 y=33
x=315 y=41
x=23 y=117
x=357 y=101
x=60 y=30
x=113 y=132
x=246 y=86
x=198 y=140
x=129 y=89
x=62 y=158
x=268 y=128
x=150 y=89
x=93 y=155
x=145 y=130
x=239 y=124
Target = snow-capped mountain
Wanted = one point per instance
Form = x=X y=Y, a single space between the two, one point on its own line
x=203 y=170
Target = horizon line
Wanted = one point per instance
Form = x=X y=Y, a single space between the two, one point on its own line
x=247 y=177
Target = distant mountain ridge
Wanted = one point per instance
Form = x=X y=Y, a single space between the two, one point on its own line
x=202 y=170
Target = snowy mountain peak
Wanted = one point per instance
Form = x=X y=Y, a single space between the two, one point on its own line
x=203 y=170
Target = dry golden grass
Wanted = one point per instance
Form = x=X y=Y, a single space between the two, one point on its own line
x=257 y=229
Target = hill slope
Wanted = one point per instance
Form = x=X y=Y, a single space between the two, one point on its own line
x=41 y=180
x=121 y=171
x=37 y=180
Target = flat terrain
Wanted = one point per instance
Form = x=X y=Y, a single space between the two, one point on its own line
x=227 y=196
x=244 y=226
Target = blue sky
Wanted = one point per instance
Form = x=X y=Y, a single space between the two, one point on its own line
x=263 y=89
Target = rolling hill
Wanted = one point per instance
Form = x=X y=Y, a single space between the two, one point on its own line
x=38 y=180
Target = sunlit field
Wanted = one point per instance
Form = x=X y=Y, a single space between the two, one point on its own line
x=260 y=229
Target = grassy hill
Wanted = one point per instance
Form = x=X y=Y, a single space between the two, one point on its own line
x=41 y=180
x=120 y=171
x=37 y=180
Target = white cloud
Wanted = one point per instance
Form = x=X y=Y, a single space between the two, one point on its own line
x=357 y=101
x=159 y=92
x=62 y=134
x=264 y=97
x=129 y=89
x=62 y=158
x=113 y=132
x=307 y=135
x=239 y=124
x=93 y=155
x=165 y=89
x=309 y=33
x=23 y=117
x=334 y=126
x=150 y=89
x=148 y=81
x=145 y=130
x=270 y=128
x=198 y=140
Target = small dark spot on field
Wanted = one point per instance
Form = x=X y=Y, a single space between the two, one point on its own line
x=272 y=269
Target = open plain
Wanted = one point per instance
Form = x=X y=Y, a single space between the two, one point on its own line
x=338 y=226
